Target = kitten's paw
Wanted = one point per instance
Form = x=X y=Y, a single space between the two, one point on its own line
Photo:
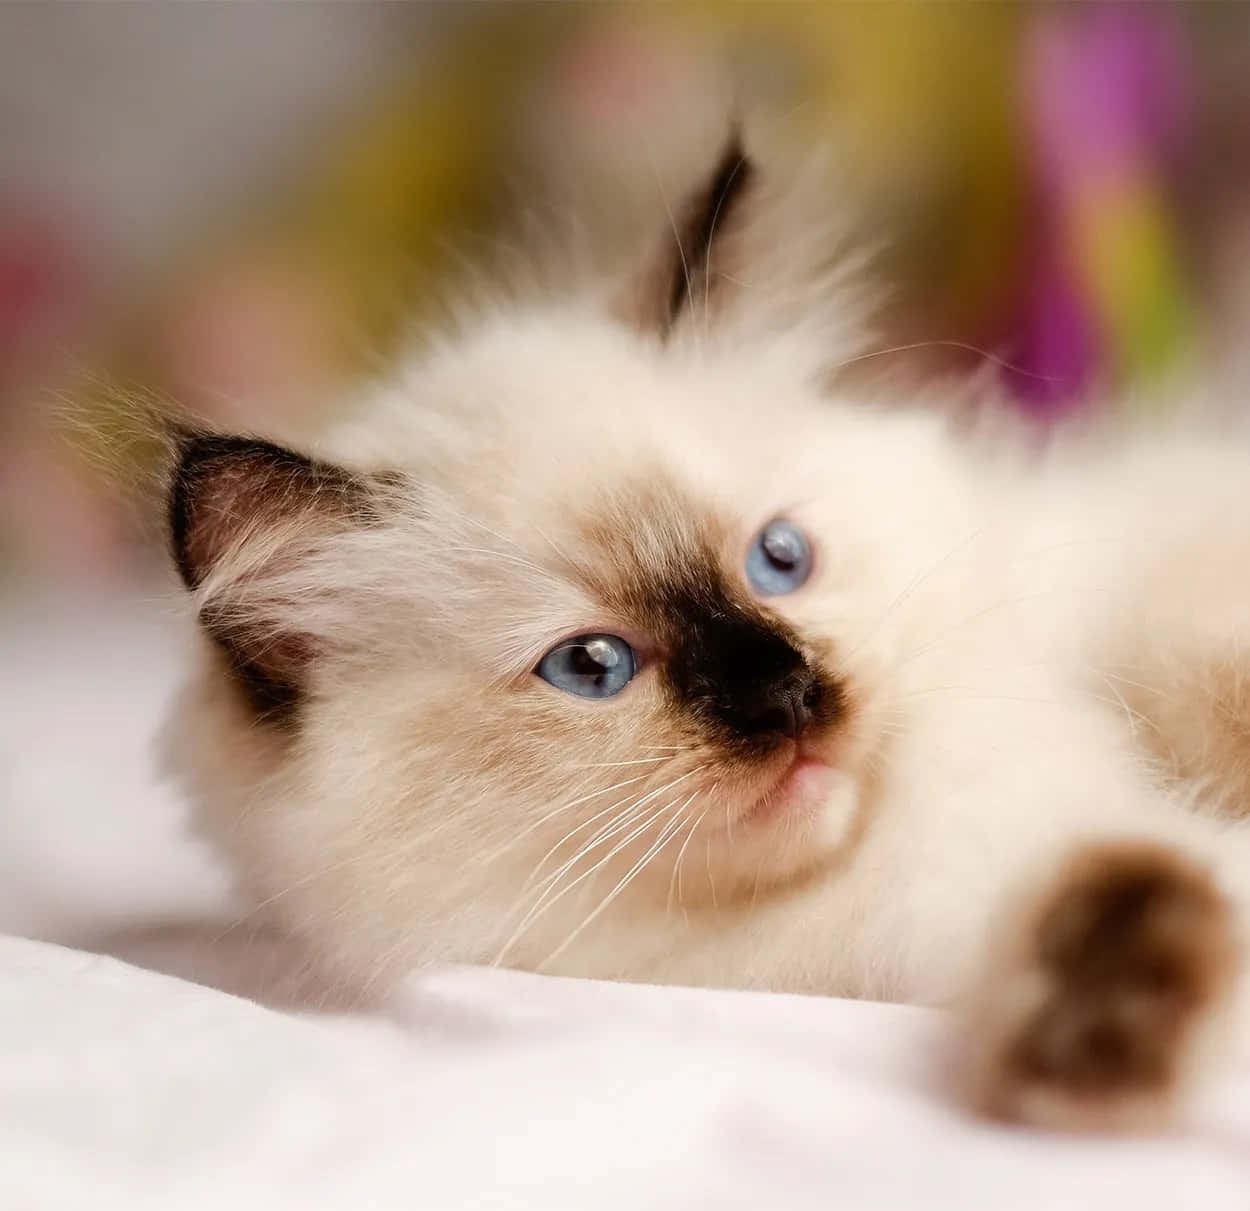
x=1094 y=1017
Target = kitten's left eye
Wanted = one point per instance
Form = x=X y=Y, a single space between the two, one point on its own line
x=780 y=559
x=591 y=666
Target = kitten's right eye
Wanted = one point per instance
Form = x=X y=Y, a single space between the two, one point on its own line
x=591 y=666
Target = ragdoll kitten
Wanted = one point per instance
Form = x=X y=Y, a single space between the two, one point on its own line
x=609 y=641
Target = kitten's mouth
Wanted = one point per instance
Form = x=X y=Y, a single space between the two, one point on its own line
x=801 y=791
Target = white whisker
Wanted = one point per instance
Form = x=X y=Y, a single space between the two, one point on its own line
x=913 y=585
x=672 y=221
x=984 y=354
x=655 y=794
x=711 y=883
x=675 y=881
x=707 y=256
x=614 y=764
x=666 y=834
x=942 y=636
x=529 y=828
x=540 y=909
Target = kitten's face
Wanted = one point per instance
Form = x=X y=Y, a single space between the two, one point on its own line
x=585 y=637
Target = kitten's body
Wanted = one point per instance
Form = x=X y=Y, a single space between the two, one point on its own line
x=1005 y=653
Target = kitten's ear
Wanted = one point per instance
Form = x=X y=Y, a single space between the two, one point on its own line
x=690 y=268
x=239 y=511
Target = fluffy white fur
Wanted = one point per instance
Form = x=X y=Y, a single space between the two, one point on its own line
x=992 y=615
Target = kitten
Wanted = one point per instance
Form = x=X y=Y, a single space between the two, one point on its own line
x=610 y=641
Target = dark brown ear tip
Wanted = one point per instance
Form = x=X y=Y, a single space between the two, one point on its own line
x=709 y=211
x=195 y=449
x=197 y=456
x=192 y=451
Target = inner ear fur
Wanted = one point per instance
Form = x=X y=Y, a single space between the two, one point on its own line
x=231 y=494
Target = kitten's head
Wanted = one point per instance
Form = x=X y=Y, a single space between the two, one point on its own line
x=576 y=632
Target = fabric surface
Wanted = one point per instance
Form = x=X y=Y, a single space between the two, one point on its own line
x=492 y=1089
x=470 y=1088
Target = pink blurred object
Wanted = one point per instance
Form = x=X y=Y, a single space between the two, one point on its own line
x=62 y=523
x=1107 y=100
x=620 y=75
x=1109 y=94
x=253 y=344
x=39 y=283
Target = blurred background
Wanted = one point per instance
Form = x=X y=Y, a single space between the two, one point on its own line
x=235 y=208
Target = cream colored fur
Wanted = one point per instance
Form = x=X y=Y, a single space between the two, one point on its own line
x=1004 y=625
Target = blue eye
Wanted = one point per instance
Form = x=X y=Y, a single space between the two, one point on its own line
x=591 y=666
x=780 y=559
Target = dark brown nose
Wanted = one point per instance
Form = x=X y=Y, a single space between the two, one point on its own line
x=784 y=708
x=745 y=676
x=767 y=691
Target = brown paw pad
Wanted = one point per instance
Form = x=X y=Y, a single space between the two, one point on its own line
x=1131 y=952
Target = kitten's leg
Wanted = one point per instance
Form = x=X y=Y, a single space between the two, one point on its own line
x=1192 y=694
x=1104 y=994
x=1175 y=648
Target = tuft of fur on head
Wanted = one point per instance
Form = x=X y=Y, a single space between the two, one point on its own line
x=366 y=734
x=766 y=247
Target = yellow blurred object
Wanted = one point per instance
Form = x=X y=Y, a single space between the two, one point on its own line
x=266 y=319
x=920 y=100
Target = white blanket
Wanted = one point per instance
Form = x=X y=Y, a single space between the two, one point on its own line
x=491 y=1089
x=123 y=1088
